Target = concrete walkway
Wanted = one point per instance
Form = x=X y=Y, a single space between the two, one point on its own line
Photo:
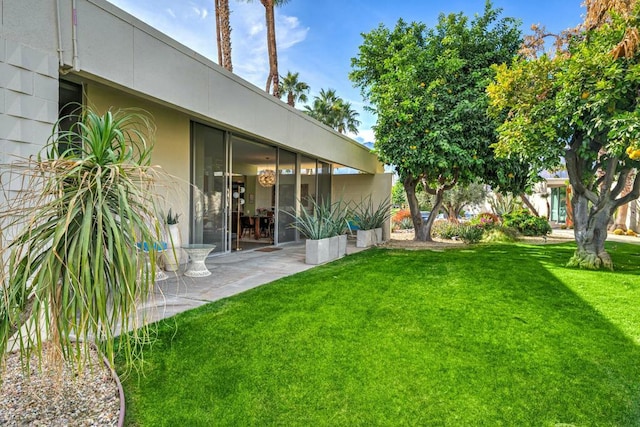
x=232 y=274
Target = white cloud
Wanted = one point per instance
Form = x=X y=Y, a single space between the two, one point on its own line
x=364 y=135
x=249 y=40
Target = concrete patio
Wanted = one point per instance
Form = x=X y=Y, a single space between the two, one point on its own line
x=232 y=274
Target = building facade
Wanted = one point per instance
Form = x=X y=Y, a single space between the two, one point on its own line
x=235 y=151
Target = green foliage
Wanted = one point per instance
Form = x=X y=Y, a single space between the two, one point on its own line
x=398 y=195
x=427 y=87
x=526 y=224
x=294 y=89
x=76 y=276
x=334 y=112
x=445 y=230
x=495 y=335
x=405 y=224
x=324 y=219
x=581 y=106
x=466 y=232
x=172 y=218
x=460 y=196
x=504 y=204
x=470 y=233
x=500 y=234
x=368 y=216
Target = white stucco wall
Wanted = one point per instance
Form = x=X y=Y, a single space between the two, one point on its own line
x=354 y=188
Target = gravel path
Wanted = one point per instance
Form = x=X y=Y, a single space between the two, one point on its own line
x=89 y=399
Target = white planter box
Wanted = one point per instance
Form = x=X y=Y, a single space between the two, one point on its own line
x=366 y=238
x=378 y=232
x=325 y=250
x=318 y=251
x=342 y=245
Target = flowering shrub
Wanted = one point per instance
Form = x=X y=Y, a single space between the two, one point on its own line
x=401 y=220
x=526 y=223
x=485 y=220
x=400 y=215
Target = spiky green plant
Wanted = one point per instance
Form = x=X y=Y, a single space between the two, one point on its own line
x=368 y=216
x=324 y=219
x=74 y=275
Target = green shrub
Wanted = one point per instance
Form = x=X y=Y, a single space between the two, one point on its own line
x=501 y=234
x=405 y=224
x=526 y=223
x=470 y=233
x=445 y=230
x=466 y=232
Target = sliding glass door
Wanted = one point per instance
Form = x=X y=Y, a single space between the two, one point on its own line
x=209 y=192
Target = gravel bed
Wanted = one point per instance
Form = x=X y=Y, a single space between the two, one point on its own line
x=87 y=399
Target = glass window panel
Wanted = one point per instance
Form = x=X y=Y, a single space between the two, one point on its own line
x=286 y=195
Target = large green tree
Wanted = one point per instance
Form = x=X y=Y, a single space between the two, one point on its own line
x=428 y=89
x=580 y=106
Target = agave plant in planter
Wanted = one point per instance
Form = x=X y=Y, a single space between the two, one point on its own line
x=370 y=219
x=171 y=257
x=323 y=228
x=76 y=214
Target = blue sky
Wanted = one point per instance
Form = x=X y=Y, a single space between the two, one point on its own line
x=318 y=38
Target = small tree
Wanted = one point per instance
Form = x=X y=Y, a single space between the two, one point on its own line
x=75 y=212
x=463 y=195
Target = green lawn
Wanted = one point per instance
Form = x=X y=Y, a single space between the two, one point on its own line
x=499 y=335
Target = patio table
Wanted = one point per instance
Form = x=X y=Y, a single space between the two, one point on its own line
x=198 y=254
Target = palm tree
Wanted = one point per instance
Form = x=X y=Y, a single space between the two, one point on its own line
x=345 y=117
x=294 y=89
x=322 y=107
x=223 y=34
x=333 y=111
x=273 y=78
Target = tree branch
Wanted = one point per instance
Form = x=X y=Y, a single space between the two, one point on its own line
x=631 y=195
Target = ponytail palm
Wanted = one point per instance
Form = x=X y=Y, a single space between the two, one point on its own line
x=73 y=273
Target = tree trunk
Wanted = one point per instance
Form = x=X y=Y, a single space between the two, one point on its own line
x=421 y=232
x=223 y=34
x=273 y=80
x=226 y=35
x=218 y=31
x=453 y=211
x=291 y=99
x=590 y=230
x=529 y=205
x=623 y=211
